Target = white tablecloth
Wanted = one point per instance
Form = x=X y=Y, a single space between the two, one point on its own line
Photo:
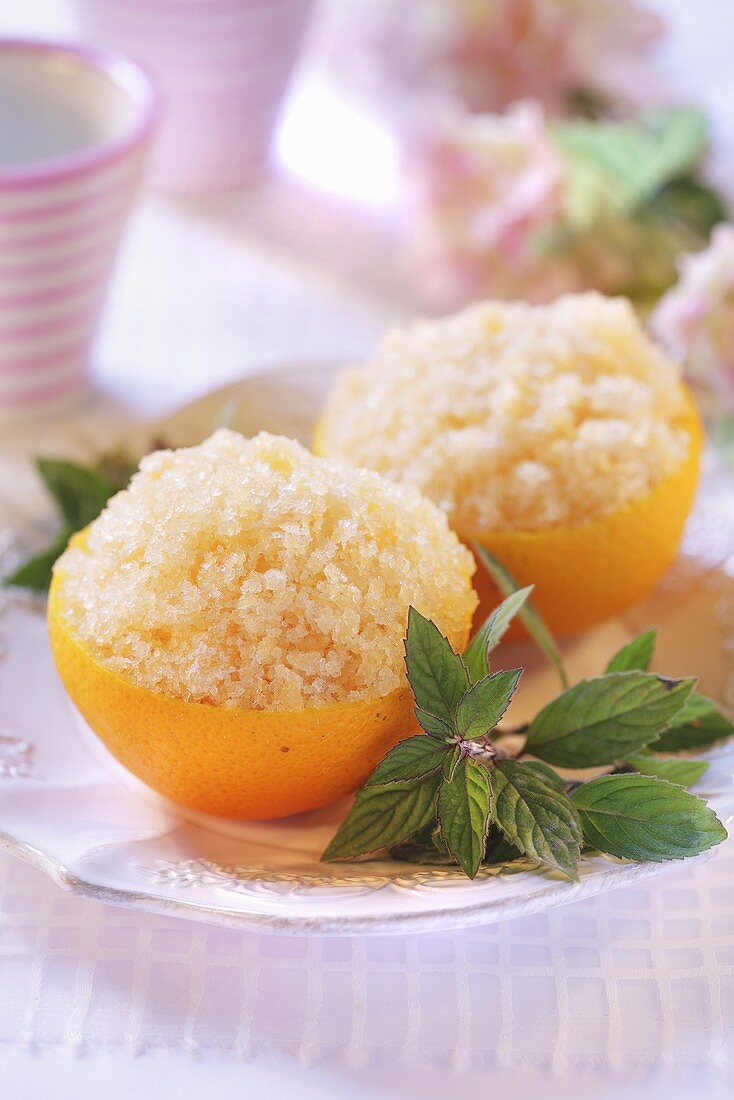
x=635 y=986
x=635 y=980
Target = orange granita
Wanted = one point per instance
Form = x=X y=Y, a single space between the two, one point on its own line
x=525 y=423
x=232 y=624
x=249 y=573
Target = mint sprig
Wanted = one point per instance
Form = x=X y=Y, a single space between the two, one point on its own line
x=484 y=704
x=684 y=772
x=600 y=721
x=454 y=795
x=437 y=674
x=636 y=655
x=410 y=759
x=642 y=818
x=536 y=816
x=384 y=816
x=634 y=191
x=79 y=493
x=489 y=636
x=526 y=613
x=618 y=166
x=697 y=726
x=463 y=814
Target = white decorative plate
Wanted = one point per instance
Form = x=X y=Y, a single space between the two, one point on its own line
x=66 y=806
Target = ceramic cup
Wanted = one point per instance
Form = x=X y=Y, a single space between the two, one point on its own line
x=74 y=127
x=222 y=66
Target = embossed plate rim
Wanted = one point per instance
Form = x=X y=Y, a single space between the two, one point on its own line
x=539 y=890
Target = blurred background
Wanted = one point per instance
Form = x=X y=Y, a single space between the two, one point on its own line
x=423 y=155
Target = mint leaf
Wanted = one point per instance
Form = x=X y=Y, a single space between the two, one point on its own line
x=698 y=725
x=602 y=721
x=451 y=758
x=382 y=817
x=698 y=706
x=437 y=675
x=642 y=818
x=491 y=633
x=535 y=816
x=410 y=759
x=527 y=614
x=436 y=727
x=636 y=655
x=484 y=704
x=547 y=773
x=35 y=573
x=463 y=814
x=615 y=167
x=227 y=416
x=79 y=492
x=498 y=848
x=116 y=468
x=684 y=772
x=424 y=848
x=687 y=207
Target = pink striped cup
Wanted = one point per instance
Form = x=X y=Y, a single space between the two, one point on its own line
x=74 y=127
x=222 y=67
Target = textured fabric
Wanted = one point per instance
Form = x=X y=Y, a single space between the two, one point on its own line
x=636 y=979
x=643 y=978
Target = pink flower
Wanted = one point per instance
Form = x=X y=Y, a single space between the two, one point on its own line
x=695 y=318
x=495 y=52
x=611 y=42
x=484 y=188
x=484 y=55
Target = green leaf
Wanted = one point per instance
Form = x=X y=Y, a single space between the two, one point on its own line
x=642 y=818
x=437 y=675
x=428 y=848
x=484 y=704
x=698 y=706
x=463 y=814
x=35 y=573
x=424 y=848
x=436 y=727
x=383 y=817
x=602 y=721
x=116 y=468
x=451 y=758
x=498 y=848
x=547 y=772
x=79 y=492
x=227 y=416
x=698 y=725
x=491 y=633
x=688 y=207
x=636 y=655
x=410 y=759
x=616 y=166
x=527 y=614
x=535 y=816
x=684 y=772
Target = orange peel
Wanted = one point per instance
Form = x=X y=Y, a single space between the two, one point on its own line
x=589 y=572
x=593 y=571
x=229 y=761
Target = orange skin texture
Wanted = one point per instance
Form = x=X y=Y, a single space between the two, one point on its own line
x=229 y=761
x=592 y=571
